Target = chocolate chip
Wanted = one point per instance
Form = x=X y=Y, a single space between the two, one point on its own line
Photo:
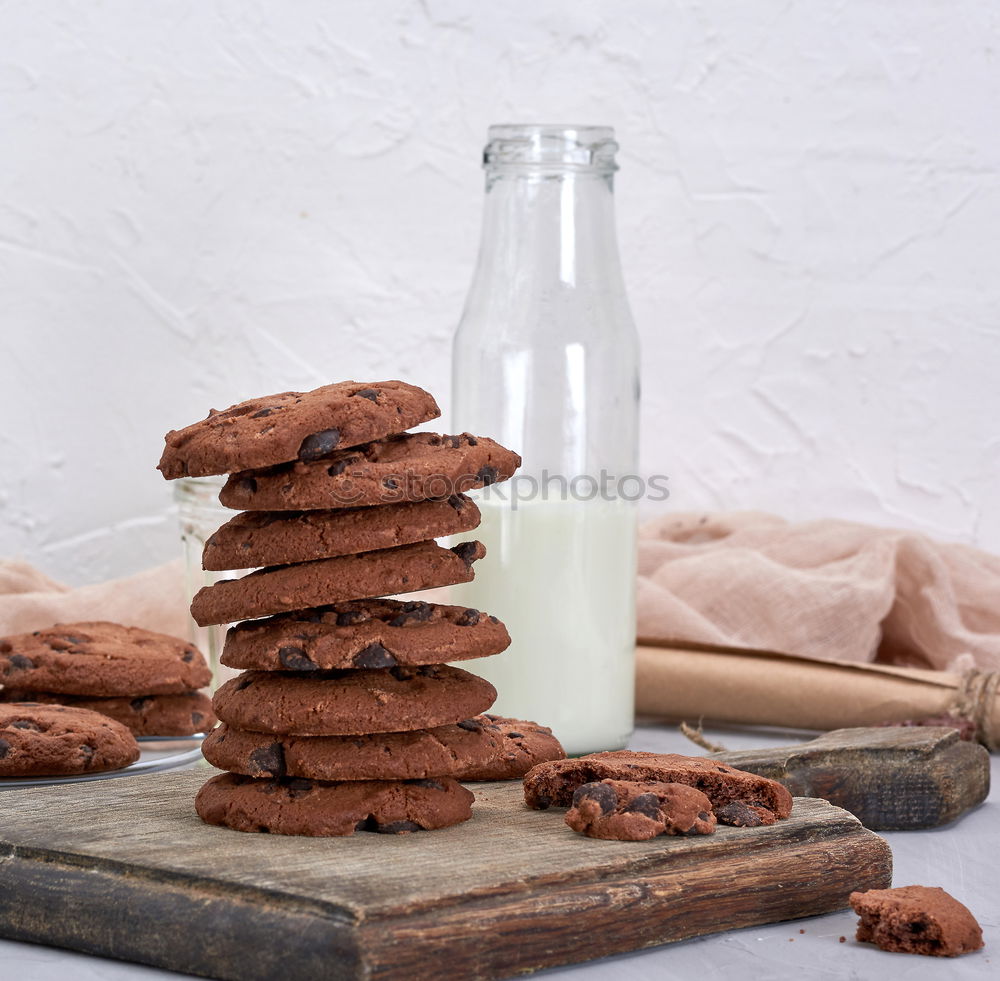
x=349 y=617
x=262 y=413
x=467 y=552
x=88 y=752
x=25 y=724
x=412 y=611
x=471 y=440
x=299 y=787
x=600 y=793
x=543 y=802
x=397 y=827
x=488 y=475
x=374 y=656
x=247 y=485
x=470 y=725
x=468 y=619
x=295 y=659
x=515 y=735
x=21 y=662
x=456 y=441
x=196 y=720
x=4 y=748
x=430 y=784
x=457 y=502
x=336 y=469
x=319 y=444
x=367 y=824
x=739 y=815
x=138 y=704
x=646 y=804
x=74 y=640
x=703 y=816
x=268 y=761
x=187 y=656
x=494 y=620
x=368 y=393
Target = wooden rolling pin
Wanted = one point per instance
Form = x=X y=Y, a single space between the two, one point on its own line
x=889 y=778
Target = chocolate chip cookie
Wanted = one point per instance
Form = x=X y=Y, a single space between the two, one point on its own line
x=737 y=797
x=444 y=751
x=55 y=741
x=309 y=807
x=522 y=745
x=365 y=634
x=100 y=658
x=144 y=715
x=411 y=467
x=347 y=703
x=627 y=810
x=261 y=538
x=294 y=426
x=309 y=584
x=916 y=920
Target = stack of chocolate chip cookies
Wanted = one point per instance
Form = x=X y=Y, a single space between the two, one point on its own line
x=348 y=714
x=145 y=680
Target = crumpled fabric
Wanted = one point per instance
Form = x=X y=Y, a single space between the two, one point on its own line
x=826 y=589
x=154 y=599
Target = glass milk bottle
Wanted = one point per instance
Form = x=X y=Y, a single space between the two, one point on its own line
x=545 y=360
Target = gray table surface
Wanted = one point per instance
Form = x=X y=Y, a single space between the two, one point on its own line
x=963 y=858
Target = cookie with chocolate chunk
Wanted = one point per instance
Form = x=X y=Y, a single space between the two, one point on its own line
x=916 y=920
x=760 y=800
x=261 y=538
x=347 y=703
x=101 y=658
x=411 y=467
x=630 y=810
x=294 y=426
x=522 y=745
x=310 y=807
x=444 y=751
x=56 y=741
x=370 y=633
x=144 y=715
x=324 y=581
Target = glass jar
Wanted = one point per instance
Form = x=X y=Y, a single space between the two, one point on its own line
x=200 y=514
x=546 y=360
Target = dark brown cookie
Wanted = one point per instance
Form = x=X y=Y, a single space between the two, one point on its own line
x=371 y=633
x=144 y=715
x=56 y=741
x=324 y=581
x=347 y=703
x=555 y=783
x=261 y=538
x=294 y=426
x=309 y=807
x=101 y=658
x=916 y=920
x=522 y=745
x=411 y=467
x=627 y=810
x=444 y=751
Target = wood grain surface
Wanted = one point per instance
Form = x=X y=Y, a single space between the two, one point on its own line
x=124 y=868
x=891 y=778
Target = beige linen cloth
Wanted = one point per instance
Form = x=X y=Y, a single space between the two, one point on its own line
x=826 y=589
x=745 y=617
x=153 y=599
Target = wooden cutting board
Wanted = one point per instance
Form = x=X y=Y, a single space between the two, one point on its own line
x=124 y=868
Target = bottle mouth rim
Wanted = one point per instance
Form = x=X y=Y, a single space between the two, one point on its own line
x=533 y=145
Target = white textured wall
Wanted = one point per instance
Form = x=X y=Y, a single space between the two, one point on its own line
x=201 y=201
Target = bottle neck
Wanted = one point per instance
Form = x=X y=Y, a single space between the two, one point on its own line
x=547 y=230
